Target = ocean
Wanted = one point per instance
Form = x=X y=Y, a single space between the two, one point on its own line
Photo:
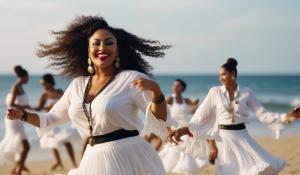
x=278 y=93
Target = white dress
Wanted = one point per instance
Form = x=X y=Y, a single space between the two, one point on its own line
x=55 y=136
x=238 y=154
x=11 y=144
x=177 y=158
x=115 y=108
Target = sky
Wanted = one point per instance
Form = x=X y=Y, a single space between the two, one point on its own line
x=264 y=36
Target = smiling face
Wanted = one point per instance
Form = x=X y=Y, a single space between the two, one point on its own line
x=226 y=77
x=103 y=49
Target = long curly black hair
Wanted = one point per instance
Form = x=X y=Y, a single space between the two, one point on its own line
x=69 y=51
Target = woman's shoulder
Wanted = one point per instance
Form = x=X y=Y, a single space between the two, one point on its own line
x=78 y=81
x=215 y=89
x=244 y=89
x=132 y=74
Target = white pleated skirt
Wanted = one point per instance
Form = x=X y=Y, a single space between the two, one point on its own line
x=239 y=154
x=55 y=137
x=132 y=156
x=11 y=144
x=178 y=159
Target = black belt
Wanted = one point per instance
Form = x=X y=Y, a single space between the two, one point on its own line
x=115 y=135
x=233 y=127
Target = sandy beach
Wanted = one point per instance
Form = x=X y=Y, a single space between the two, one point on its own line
x=286 y=148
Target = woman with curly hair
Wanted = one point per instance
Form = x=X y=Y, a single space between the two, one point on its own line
x=57 y=135
x=111 y=84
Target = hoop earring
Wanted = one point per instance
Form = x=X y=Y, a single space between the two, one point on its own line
x=90 y=67
x=117 y=63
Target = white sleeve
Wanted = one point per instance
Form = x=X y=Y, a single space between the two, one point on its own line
x=151 y=124
x=273 y=120
x=203 y=124
x=58 y=113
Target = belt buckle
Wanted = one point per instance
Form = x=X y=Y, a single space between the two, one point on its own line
x=222 y=127
x=92 y=141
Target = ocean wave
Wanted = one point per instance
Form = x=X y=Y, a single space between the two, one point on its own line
x=277 y=106
x=282 y=105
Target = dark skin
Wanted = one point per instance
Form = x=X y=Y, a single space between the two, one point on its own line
x=100 y=42
x=51 y=93
x=17 y=89
x=103 y=51
x=228 y=79
x=178 y=89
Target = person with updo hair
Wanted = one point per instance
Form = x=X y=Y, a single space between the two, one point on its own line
x=111 y=84
x=58 y=135
x=221 y=118
x=14 y=147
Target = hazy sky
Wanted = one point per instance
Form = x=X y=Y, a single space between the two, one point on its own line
x=263 y=35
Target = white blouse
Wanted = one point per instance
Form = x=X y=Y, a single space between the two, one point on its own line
x=214 y=111
x=114 y=108
x=180 y=112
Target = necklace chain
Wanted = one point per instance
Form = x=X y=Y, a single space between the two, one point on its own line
x=88 y=114
x=230 y=110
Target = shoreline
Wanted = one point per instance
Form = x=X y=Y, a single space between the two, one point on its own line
x=285 y=148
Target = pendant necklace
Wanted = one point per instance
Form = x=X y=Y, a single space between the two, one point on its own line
x=88 y=114
x=230 y=110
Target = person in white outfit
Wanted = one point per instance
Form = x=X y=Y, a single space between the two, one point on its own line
x=176 y=158
x=57 y=135
x=220 y=119
x=14 y=147
x=111 y=85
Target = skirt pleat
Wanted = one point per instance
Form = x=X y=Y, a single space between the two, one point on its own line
x=239 y=154
x=132 y=156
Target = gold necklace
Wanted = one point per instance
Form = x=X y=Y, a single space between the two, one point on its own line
x=88 y=114
x=230 y=110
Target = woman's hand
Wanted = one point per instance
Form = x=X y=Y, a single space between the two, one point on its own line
x=195 y=101
x=14 y=114
x=158 y=105
x=146 y=84
x=293 y=115
x=175 y=136
x=213 y=154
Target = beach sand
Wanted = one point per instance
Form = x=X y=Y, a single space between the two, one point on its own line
x=286 y=148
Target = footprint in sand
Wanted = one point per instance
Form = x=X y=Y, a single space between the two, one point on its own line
x=294 y=171
x=291 y=158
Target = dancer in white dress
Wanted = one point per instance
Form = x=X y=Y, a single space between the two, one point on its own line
x=57 y=135
x=220 y=119
x=103 y=101
x=176 y=158
x=14 y=147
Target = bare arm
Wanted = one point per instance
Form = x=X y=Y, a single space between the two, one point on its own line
x=193 y=104
x=213 y=151
x=41 y=103
x=32 y=118
x=14 y=93
x=175 y=136
x=57 y=115
x=159 y=109
x=169 y=100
